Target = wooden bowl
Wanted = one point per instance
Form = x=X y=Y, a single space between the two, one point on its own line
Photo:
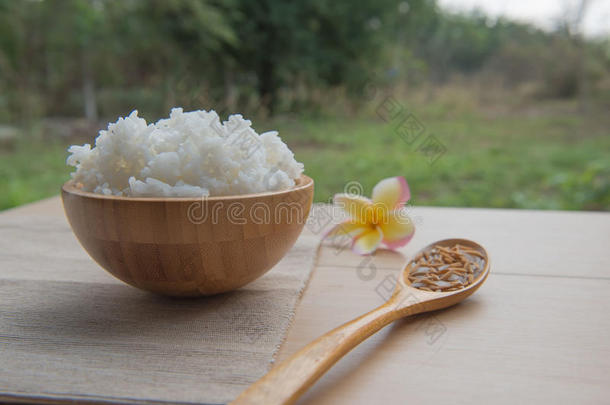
x=188 y=246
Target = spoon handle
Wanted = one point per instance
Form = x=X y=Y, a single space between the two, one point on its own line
x=291 y=378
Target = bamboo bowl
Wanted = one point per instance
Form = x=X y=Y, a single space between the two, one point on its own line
x=188 y=246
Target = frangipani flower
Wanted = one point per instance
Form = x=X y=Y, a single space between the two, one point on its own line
x=381 y=219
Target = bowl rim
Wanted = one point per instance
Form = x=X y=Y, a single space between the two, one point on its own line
x=303 y=182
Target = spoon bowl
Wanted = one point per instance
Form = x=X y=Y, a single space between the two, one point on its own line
x=409 y=300
x=291 y=378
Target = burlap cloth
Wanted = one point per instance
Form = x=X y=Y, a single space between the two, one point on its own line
x=70 y=331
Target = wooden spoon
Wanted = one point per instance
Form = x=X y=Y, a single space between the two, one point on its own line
x=291 y=378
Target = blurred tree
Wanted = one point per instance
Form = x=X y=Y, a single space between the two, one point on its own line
x=92 y=57
x=576 y=31
x=20 y=43
x=322 y=43
x=74 y=38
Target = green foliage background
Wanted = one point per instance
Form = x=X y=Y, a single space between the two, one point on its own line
x=521 y=111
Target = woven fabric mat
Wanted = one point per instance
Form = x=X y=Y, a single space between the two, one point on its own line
x=70 y=331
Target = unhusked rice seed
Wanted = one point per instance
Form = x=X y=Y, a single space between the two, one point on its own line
x=444 y=268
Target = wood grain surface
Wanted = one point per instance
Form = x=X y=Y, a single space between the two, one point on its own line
x=537 y=332
x=69 y=331
x=289 y=379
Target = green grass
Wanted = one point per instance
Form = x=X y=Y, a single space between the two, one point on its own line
x=31 y=171
x=543 y=160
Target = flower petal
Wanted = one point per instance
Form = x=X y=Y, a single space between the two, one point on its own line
x=368 y=241
x=391 y=192
x=347 y=228
x=397 y=228
x=358 y=207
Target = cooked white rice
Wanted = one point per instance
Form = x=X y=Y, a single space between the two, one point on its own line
x=190 y=154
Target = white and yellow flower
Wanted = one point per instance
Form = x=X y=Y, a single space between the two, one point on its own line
x=381 y=219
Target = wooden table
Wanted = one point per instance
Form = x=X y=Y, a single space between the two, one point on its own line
x=536 y=332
